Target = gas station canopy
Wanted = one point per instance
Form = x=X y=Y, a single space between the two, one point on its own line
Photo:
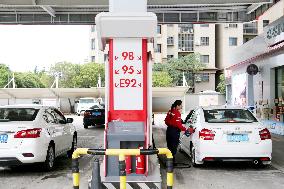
x=33 y=93
x=167 y=11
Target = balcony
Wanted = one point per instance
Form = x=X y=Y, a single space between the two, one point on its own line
x=250 y=29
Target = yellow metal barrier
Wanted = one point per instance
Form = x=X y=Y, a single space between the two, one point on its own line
x=121 y=153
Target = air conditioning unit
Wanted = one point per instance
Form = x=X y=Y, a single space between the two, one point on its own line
x=226 y=26
x=191 y=30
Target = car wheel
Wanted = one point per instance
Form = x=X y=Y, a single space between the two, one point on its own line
x=85 y=126
x=50 y=157
x=74 y=146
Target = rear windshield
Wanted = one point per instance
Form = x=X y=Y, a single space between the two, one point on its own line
x=18 y=114
x=229 y=116
x=87 y=101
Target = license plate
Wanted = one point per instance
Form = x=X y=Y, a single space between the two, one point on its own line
x=237 y=138
x=97 y=113
x=3 y=138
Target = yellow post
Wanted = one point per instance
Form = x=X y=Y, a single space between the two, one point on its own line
x=122 y=172
x=75 y=166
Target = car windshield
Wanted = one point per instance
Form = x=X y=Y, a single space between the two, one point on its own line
x=87 y=101
x=229 y=116
x=18 y=114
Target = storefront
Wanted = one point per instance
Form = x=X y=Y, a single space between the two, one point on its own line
x=255 y=77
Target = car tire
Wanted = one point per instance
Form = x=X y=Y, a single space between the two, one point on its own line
x=50 y=157
x=74 y=146
x=85 y=126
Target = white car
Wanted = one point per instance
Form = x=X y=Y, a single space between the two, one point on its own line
x=33 y=134
x=227 y=134
x=84 y=104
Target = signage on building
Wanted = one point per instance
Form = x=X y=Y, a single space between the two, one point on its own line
x=274 y=33
x=252 y=69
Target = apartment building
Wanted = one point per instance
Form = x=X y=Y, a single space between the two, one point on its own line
x=175 y=40
x=95 y=54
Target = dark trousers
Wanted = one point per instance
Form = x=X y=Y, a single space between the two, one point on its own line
x=172 y=136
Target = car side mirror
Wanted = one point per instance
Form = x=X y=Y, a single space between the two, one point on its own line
x=62 y=122
x=69 y=120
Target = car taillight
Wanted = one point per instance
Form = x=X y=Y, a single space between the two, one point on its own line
x=29 y=133
x=206 y=134
x=87 y=114
x=264 y=159
x=264 y=134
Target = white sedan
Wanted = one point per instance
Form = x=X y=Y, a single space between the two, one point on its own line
x=227 y=134
x=33 y=134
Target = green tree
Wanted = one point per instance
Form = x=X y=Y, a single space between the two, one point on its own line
x=161 y=79
x=68 y=72
x=28 y=80
x=189 y=64
x=89 y=75
x=159 y=67
x=4 y=75
x=221 y=87
x=46 y=79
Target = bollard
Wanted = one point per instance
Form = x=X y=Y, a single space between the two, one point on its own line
x=121 y=153
x=96 y=177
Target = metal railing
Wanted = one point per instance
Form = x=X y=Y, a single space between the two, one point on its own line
x=121 y=153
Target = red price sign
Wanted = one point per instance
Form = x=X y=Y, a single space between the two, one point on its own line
x=128 y=73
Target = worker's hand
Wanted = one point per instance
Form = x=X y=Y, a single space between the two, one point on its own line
x=191 y=130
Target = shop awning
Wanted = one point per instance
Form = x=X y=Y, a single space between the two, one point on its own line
x=263 y=55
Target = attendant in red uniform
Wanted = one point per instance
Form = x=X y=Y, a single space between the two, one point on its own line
x=175 y=126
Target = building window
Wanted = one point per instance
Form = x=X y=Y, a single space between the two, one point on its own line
x=265 y=23
x=93 y=45
x=204 y=41
x=170 y=56
x=205 y=77
x=159 y=29
x=185 y=42
x=186 y=28
x=93 y=59
x=204 y=59
x=204 y=25
x=233 y=41
x=170 y=40
x=202 y=77
x=233 y=25
x=159 y=48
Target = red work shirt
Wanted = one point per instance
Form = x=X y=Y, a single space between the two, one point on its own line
x=173 y=119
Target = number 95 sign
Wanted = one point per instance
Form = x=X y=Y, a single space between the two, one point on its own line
x=127 y=74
